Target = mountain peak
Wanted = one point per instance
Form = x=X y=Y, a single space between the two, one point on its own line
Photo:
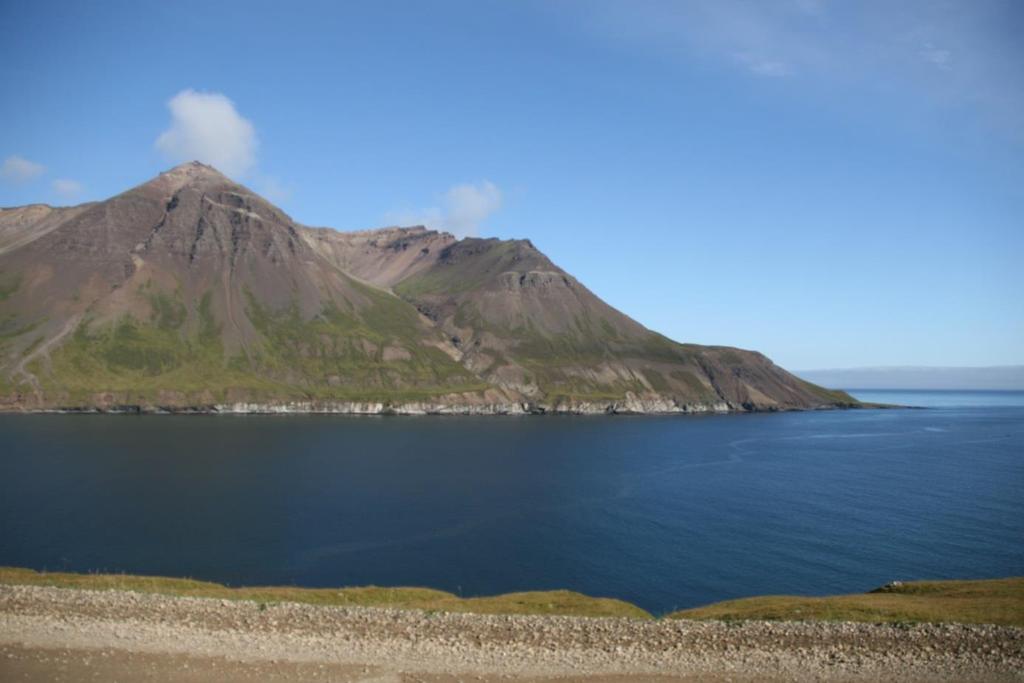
x=195 y=168
x=190 y=173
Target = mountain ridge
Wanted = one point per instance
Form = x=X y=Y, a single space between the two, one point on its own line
x=190 y=292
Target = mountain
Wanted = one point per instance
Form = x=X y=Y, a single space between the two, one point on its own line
x=992 y=378
x=191 y=292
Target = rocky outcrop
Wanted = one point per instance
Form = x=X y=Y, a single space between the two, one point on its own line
x=633 y=406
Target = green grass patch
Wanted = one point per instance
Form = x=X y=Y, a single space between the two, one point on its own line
x=833 y=396
x=537 y=602
x=339 y=354
x=140 y=361
x=176 y=355
x=692 y=384
x=168 y=313
x=655 y=379
x=9 y=284
x=995 y=601
x=990 y=601
x=33 y=345
x=10 y=327
x=132 y=346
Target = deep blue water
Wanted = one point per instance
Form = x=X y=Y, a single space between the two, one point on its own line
x=666 y=512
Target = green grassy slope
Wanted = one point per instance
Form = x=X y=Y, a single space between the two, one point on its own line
x=988 y=601
x=996 y=601
x=344 y=354
x=177 y=356
x=537 y=602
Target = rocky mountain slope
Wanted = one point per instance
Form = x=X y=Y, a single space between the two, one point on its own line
x=192 y=292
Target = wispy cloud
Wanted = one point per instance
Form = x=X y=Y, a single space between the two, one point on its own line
x=468 y=206
x=761 y=38
x=937 y=56
x=66 y=188
x=951 y=54
x=764 y=67
x=205 y=126
x=462 y=211
x=18 y=169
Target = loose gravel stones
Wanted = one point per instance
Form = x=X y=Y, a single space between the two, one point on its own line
x=411 y=643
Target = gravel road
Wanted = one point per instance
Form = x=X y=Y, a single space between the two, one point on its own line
x=75 y=635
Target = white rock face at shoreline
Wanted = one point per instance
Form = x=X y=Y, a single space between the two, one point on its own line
x=631 y=406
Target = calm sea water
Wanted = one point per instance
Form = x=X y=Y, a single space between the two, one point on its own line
x=665 y=512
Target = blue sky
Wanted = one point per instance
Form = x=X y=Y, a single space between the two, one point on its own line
x=834 y=184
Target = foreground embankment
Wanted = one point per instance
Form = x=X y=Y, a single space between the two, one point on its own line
x=49 y=633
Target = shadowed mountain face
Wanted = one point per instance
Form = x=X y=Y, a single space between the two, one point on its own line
x=190 y=291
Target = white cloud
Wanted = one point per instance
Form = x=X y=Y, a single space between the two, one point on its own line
x=468 y=206
x=20 y=170
x=430 y=217
x=67 y=188
x=206 y=127
x=464 y=209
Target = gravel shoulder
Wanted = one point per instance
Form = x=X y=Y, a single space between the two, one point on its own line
x=72 y=634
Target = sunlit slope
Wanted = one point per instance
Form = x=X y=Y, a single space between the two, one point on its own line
x=525 y=324
x=191 y=291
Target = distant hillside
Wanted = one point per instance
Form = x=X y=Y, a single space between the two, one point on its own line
x=191 y=292
x=1004 y=378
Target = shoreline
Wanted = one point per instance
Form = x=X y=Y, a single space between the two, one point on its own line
x=382 y=408
x=122 y=634
x=977 y=601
